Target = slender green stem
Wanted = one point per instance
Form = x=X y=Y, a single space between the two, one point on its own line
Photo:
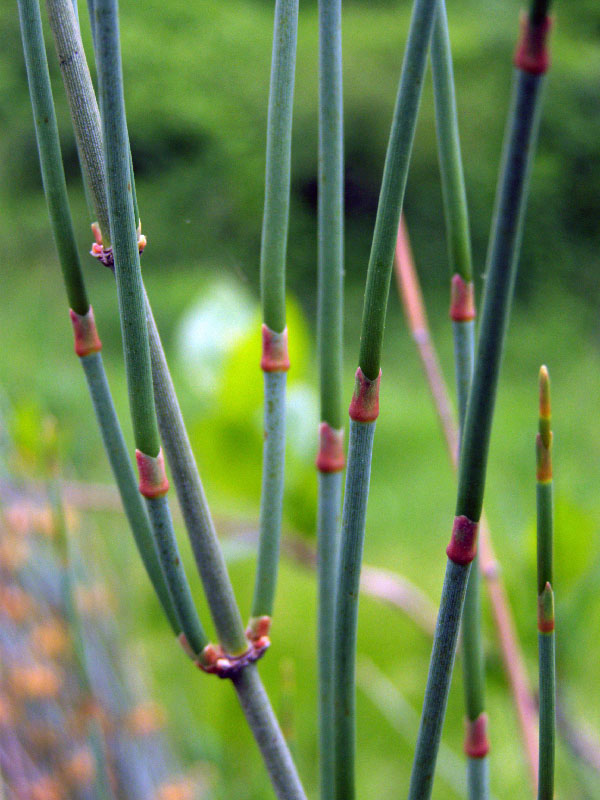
x=132 y=309
x=272 y=282
x=360 y=448
x=329 y=337
x=393 y=186
x=116 y=450
x=53 y=175
x=86 y=117
x=194 y=506
x=277 y=177
x=331 y=212
x=330 y=493
x=271 y=495
x=453 y=183
x=545 y=577
x=463 y=330
x=362 y=411
x=261 y=719
x=62 y=226
x=500 y=279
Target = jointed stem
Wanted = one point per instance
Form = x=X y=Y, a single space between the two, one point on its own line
x=462 y=312
x=501 y=273
x=272 y=283
x=62 y=227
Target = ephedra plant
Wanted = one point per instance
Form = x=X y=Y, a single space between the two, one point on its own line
x=159 y=431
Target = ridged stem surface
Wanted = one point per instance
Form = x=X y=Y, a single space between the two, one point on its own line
x=85 y=115
x=330 y=345
x=271 y=496
x=328 y=522
x=62 y=227
x=278 y=161
x=116 y=450
x=53 y=175
x=360 y=448
x=453 y=183
x=192 y=500
x=545 y=580
x=500 y=278
x=438 y=679
x=463 y=330
x=132 y=309
x=393 y=185
x=264 y=726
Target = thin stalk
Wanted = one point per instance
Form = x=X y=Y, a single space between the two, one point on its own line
x=275 y=361
x=62 y=228
x=330 y=459
x=545 y=579
x=500 y=279
x=86 y=118
x=364 y=407
x=153 y=483
x=208 y=552
x=514 y=663
x=462 y=313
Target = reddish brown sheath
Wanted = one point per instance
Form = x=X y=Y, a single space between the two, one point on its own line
x=85 y=334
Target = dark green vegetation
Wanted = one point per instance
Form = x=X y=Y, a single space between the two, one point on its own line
x=199 y=158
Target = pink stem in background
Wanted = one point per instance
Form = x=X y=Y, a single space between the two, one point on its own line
x=414 y=309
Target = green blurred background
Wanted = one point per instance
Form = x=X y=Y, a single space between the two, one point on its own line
x=196 y=82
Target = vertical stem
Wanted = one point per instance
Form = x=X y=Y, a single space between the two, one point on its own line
x=408 y=285
x=87 y=341
x=360 y=448
x=86 y=118
x=132 y=309
x=545 y=578
x=275 y=361
x=462 y=313
x=500 y=279
x=364 y=407
x=330 y=459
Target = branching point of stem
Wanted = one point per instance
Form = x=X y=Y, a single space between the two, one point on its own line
x=258 y=628
x=462 y=299
x=330 y=457
x=85 y=334
x=532 y=53
x=216 y=661
x=275 y=357
x=364 y=406
x=463 y=542
x=153 y=477
x=476 y=741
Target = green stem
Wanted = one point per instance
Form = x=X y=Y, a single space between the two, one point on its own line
x=330 y=493
x=193 y=503
x=545 y=570
x=271 y=495
x=62 y=227
x=392 y=188
x=362 y=432
x=500 y=279
x=277 y=177
x=132 y=308
x=463 y=330
x=53 y=175
x=116 y=450
x=85 y=115
x=330 y=345
x=261 y=719
x=272 y=282
x=330 y=212
x=360 y=448
x=453 y=183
